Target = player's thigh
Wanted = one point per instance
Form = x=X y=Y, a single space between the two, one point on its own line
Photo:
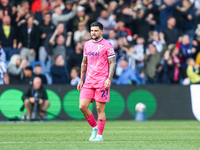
x=84 y=102
x=102 y=95
x=86 y=96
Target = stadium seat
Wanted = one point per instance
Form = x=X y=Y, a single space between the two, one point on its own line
x=49 y=78
x=33 y=63
x=46 y=66
x=7 y=62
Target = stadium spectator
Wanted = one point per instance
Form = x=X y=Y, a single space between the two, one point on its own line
x=76 y=58
x=197 y=44
x=59 y=44
x=186 y=51
x=28 y=40
x=59 y=72
x=36 y=6
x=22 y=12
x=193 y=71
x=74 y=75
x=127 y=14
x=166 y=10
x=68 y=9
x=2 y=54
x=61 y=4
x=139 y=54
x=155 y=40
x=60 y=47
x=15 y=69
x=123 y=31
x=155 y=10
x=50 y=40
x=170 y=32
x=58 y=17
x=6 y=7
x=92 y=9
x=38 y=73
x=79 y=34
x=142 y=22
x=127 y=76
x=131 y=56
x=120 y=54
x=53 y=4
x=39 y=16
x=86 y=37
x=8 y=37
x=108 y=23
x=68 y=6
x=4 y=79
x=46 y=28
x=36 y=91
x=173 y=65
x=185 y=18
x=80 y=17
x=112 y=37
x=28 y=75
x=152 y=63
x=112 y=8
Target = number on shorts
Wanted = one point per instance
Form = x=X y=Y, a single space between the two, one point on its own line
x=104 y=93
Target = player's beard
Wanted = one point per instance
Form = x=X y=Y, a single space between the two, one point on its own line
x=95 y=37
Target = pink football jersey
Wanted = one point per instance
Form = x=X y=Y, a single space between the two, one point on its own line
x=97 y=62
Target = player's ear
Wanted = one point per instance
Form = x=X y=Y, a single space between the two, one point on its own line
x=101 y=31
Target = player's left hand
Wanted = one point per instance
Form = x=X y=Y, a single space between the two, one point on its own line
x=107 y=83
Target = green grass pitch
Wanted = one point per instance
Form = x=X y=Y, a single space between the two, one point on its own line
x=169 y=135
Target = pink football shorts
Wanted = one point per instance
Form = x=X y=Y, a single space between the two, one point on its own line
x=97 y=94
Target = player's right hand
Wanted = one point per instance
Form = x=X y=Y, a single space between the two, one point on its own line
x=79 y=86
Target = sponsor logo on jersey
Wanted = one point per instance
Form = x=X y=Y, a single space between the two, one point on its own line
x=93 y=53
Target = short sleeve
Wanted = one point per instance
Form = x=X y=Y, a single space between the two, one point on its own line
x=110 y=51
x=84 y=50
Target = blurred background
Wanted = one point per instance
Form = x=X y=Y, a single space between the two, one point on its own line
x=157 y=45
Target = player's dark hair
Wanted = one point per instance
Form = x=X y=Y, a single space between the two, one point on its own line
x=97 y=24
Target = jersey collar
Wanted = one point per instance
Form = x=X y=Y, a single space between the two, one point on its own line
x=98 y=40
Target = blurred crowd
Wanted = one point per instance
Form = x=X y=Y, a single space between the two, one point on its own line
x=155 y=41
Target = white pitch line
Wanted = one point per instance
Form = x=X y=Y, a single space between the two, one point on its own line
x=91 y=142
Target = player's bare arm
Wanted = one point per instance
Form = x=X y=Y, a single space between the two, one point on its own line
x=111 y=72
x=83 y=72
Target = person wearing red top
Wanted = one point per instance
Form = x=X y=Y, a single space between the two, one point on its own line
x=36 y=6
x=123 y=31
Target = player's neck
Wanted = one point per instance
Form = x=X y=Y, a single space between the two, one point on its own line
x=98 y=40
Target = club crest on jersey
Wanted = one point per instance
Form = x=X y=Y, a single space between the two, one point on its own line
x=93 y=53
x=99 y=46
